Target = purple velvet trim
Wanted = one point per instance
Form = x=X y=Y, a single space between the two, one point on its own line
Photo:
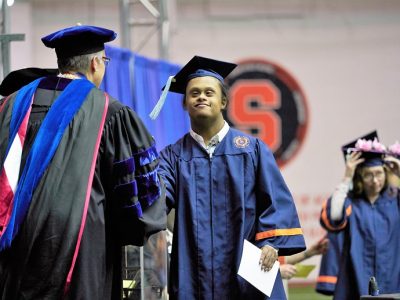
x=128 y=166
x=53 y=82
x=127 y=190
x=148 y=199
x=137 y=208
x=125 y=167
x=146 y=157
x=149 y=187
x=147 y=180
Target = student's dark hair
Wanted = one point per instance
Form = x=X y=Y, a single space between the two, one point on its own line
x=224 y=93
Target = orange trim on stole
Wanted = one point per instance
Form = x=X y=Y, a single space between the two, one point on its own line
x=327 y=279
x=278 y=232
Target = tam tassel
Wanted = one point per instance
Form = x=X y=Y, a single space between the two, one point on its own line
x=160 y=103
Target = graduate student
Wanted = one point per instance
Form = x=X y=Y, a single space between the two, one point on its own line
x=367 y=210
x=78 y=178
x=225 y=187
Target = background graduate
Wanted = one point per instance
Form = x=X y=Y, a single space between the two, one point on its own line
x=367 y=209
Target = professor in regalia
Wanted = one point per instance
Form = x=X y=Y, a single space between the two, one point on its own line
x=78 y=178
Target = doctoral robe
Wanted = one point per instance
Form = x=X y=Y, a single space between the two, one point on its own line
x=236 y=194
x=125 y=200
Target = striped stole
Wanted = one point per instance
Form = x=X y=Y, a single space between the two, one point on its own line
x=41 y=152
x=10 y=171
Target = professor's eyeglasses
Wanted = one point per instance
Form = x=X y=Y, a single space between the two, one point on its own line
x=106 y=60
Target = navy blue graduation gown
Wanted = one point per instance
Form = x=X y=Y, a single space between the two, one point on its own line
x=125 y=180
x=237 y=194
x=329 y=267
x=371 y=244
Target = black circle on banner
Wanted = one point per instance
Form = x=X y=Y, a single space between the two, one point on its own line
x=266 y=101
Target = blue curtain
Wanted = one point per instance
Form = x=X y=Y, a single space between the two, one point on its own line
x=137 y=81
x=119 y=73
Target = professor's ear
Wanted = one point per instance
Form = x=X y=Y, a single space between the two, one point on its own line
x=94 y=63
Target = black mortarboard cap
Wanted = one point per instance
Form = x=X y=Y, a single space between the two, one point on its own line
x=78 y=40
x=19 y=78
x=366 y=144
x=198 y=66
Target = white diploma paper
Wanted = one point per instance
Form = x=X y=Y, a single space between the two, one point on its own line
x=251 y=271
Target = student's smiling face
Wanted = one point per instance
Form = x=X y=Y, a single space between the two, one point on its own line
x=203 y=98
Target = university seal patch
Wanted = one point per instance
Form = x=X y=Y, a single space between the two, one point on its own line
x=241 y=141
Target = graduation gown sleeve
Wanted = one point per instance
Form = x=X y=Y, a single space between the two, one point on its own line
x=167 y=172
x=137 y=191
x=278 y=224
x=326 y=220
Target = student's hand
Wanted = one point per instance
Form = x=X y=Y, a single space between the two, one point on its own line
x=287 y=271
x=319 y=247
x=268 y=257
x=393 y=164
x=353 y=159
